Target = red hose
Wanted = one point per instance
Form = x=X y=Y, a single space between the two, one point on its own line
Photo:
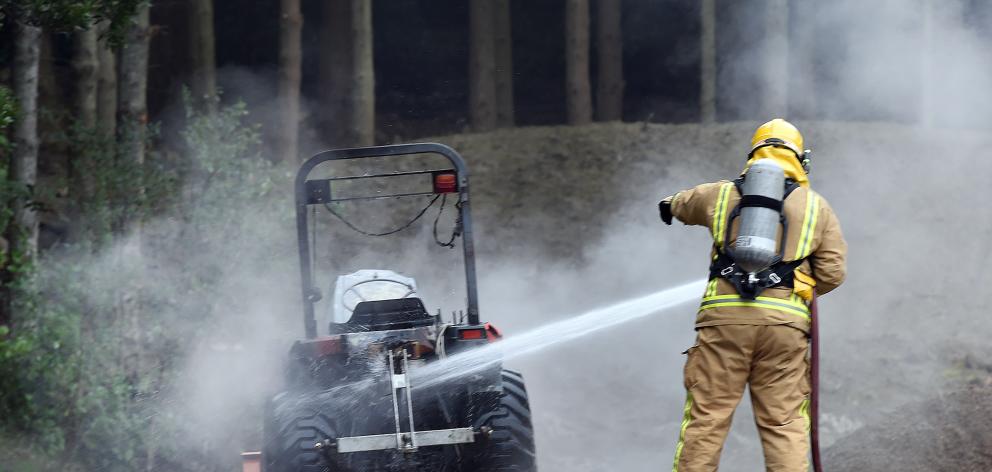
x=814 y=397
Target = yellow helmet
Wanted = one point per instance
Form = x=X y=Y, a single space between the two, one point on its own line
x=778 y=132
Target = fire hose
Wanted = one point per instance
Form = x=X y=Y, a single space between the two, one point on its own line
x=814 y=397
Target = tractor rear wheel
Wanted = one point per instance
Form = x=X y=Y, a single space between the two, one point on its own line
x=289 y=434
x=510 y=445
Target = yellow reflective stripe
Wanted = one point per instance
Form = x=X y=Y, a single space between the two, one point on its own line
x=783 y=305
x=720 y=213
x=798 y=305
x=804 y=246
x=783 y=309
x=804 y=412
x=686 y=419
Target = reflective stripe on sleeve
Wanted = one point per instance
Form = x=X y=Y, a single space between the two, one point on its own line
x=805 y=245
x=720 y=213
x=783 y=305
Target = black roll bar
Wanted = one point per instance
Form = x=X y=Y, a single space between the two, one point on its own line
x=310 y=293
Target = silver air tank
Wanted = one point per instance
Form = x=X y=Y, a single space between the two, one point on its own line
x=756 y=247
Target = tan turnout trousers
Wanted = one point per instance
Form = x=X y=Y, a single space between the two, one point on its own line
x=772 y=360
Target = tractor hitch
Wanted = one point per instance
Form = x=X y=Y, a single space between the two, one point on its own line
x=408 y=440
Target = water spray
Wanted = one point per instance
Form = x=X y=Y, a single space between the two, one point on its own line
x=559 y=332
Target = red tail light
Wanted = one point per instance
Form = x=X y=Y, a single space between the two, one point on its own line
x=472 y=333
x=445 y=182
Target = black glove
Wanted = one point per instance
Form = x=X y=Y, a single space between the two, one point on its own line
x=665 y=210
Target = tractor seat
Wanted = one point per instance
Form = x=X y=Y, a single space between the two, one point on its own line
x=384 y=315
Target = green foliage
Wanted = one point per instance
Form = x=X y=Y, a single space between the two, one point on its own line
x=68 y=15
x=99 y=331
x=9 y=191
x=112 y=189
x=8 y=114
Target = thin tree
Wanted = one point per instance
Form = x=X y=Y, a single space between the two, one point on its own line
x=106 y=95
x=336 y=66
x=24 y=159
x=776 y=84
x=482 y=66
x=609 y=48
x=133 y=105
x=202 y=52
x=132 y=120
x=578 y=94
x=347 y=69
x=362 y=121
x=503 y=31
x=85 y=66
x=290 y=60
x=707 y=61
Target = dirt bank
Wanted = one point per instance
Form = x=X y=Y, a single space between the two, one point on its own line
x=952 y=432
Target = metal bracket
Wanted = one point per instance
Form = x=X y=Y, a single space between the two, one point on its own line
x=401 y=381
x=405 y=441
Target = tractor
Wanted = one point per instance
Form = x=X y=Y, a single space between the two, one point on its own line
x=352 y=399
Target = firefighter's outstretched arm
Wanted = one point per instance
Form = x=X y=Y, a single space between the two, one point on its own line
x=689 y=206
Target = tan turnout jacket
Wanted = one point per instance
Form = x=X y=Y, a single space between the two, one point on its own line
x=813 y=233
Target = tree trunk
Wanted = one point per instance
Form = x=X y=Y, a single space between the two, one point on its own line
x=133 y=113
x=482 y=66
x=609 y=46
x=503 y=31
x=86 y=67
x=24 y=160
x=84 y=62
x=290 y=60
x=707 y=62
x=578 y=98
x=132 y=121
x=201 y=44
x=336 y=66
x=106 y=96
x=363 y=75
x=776 y=84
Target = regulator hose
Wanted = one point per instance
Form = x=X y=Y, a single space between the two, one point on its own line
x=814 y=397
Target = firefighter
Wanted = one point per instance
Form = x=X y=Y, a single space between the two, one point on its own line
x=752 y=326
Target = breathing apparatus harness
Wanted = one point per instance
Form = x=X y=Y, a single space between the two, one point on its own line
x=780 y=273
x=751 y=284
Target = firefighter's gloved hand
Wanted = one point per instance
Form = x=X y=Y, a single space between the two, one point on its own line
x=665 y=210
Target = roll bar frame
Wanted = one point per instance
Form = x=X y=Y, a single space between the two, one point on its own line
x=311 y=294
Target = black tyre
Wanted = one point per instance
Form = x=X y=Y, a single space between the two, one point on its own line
x=289 y=433
x=510 y=447
x=294 y=423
